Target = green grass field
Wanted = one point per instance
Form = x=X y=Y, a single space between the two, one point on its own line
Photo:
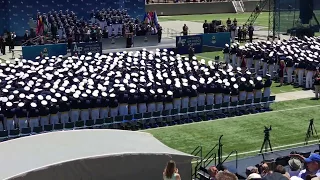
x=262 y=20
x=244 y=133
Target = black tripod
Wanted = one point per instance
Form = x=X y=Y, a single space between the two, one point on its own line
x=311 y=131
x=266 y=141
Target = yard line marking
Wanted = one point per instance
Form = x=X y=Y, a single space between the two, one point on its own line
x=204 y=57
x=282 y=91
x=224 y=119
x=280 y=148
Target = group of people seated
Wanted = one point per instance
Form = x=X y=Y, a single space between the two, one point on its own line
x=299 y=168
x=93 y=86
x=61 y=27
x=297 y=59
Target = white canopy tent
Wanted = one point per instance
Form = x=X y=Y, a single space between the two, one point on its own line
x=89 y=154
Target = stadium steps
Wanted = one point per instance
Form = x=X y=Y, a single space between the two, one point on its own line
x=255 y=14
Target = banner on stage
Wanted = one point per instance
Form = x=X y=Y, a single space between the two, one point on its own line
x=184 y=42
x=31 y=52
x=85 y=48
x=216 y=39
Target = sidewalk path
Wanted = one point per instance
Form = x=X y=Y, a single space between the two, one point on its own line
x=294 y=95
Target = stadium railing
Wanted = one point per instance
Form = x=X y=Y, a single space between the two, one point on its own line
x=154 y=119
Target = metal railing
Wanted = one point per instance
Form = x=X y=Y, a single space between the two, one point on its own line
x=196 y=152
x=232 y=152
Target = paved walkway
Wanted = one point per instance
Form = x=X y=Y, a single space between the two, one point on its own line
x=294 y=95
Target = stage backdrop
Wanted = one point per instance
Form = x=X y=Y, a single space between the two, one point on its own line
x=217 y=40
x=15 y=14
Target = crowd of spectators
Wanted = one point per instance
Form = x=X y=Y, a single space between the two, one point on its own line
x=296 y=168
x=55 y=27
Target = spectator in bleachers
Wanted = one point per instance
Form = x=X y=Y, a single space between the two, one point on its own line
x=213 y=171
x=280 y=169
x=312 y=165
x=295 y=166
x=171 y=171
x=251 y=169
x=265 y=170
x=254 y=176
x=225 y=175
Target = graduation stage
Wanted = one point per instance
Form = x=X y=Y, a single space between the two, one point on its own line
x=89 y=154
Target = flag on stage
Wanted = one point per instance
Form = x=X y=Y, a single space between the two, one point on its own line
x=155 y=19
x=146 y=18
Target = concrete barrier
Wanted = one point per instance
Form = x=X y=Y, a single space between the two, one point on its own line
x=170 y=9
x=191 y=8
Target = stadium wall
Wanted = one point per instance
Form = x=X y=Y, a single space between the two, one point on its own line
x=18 y=13
x=171 y=9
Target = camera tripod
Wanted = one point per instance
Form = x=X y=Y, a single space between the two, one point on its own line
x=311 y=131
x=266 y=142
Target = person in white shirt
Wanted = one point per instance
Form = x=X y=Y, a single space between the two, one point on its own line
x=313 y=165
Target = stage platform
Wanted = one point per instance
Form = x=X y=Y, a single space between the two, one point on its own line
x=254 y=160
x=165 y=43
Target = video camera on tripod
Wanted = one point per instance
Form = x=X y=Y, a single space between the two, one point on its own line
x=266 y=142
x=267 y=131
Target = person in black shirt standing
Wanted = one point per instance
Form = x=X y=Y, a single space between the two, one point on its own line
x=159 y=34
x=205 y=27
x=250 y=30
x=191 y=52
x=2 y=46
x=185 y=30
x=316 y=78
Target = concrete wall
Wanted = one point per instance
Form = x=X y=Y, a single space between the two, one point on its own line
x=171 y=9
x=191 y=8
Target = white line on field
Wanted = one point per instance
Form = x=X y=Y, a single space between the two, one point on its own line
x=223 y=119
x=204 y=57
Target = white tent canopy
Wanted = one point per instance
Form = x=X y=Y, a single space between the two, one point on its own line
x=89 y=154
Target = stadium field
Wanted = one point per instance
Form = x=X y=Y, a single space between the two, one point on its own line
x=262 y=20
x=289 y=120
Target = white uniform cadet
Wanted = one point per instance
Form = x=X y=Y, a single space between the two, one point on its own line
x=133 y=108
x=104 y=110
x=152 y=104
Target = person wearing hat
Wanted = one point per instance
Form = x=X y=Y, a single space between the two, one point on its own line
x=123 y=102
x=44 y=113
x=75 y=108
x=289 y=69
x=310 y=71
x=242 y=89
x=249 y=59
x=271 y=62
x=312 y=163
x=95 y=106
x=104 y=110
x=256 y=62
x=64 y=109
x=316 y=78
x=295 y=166
x=267 y=89
x=193 y=96
x=114 y=105
x=132 y=101
x=21 y=115
x=281 y=71
x=233 y=53
x=235 y=93
x=258 y=88
x=301 y=71
x=159 y=99
x=33 y=115
x=142 y=101
x=218 y=97
x=177 y=97
x=201 y=92
x=185 y=96
x=226 y=53
x=254 y=176
x=54 y=110
x=2 y=124
x=249 y=90
x=9 y=114
x=151 y=105
x=226 y=92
